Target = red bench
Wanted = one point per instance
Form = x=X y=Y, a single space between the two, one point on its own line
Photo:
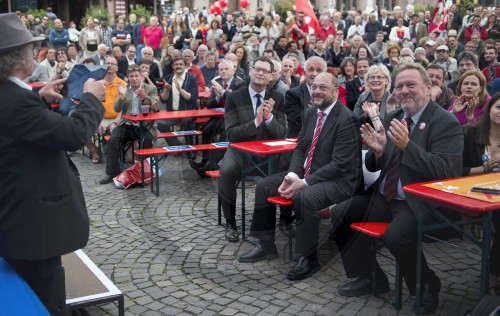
x=376 y=230
x=157 y=154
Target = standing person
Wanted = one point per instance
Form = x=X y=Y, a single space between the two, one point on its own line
x=138 y=35
x=492 y=70
x=253 y=113
x=43 y=30
x=120 y=36
x=372 y=28
x=153 y=35
x=299 y=28
x=418 y=142
x=106 y=32
x=90 y=38
x=59 y=36
x=40 y=223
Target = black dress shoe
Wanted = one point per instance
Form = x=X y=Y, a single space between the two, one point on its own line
x=429 y=299
x=231 y=233
x=194 y=164
x=107 y=179
x=258 y=253
x=362 y=286
x=303 y=269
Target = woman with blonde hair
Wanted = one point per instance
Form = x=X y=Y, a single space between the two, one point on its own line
x=268 y=31
x=372 y=104
x=472 y=98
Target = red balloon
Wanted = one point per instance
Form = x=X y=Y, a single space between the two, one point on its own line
x=212 y=9
x=218 y=10
x=217 y=4
x=223 y=3
x=244 y=3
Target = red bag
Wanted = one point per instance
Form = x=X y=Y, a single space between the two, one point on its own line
x=132 y=176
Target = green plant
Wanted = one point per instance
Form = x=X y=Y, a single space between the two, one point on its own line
x=40 y=13
x=93 y=11
x=282 y=7
x=141 y=10
x=418 y=7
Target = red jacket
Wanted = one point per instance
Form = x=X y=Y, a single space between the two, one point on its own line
x=196 y=71
x=482 y=32
x=323 y=33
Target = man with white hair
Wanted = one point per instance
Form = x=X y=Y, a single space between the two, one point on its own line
x=188 y=57
x=100 y=57
x=147 y=53
x=356 y=28
x=275 y=83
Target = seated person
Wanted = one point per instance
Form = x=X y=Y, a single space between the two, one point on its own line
x=221 y=88
x=325 y=170
x=210 y=69
x=423 y=143
x=194 y=70
x=130 y=100
x=179 y=93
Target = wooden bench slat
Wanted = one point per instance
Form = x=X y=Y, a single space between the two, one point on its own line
x=373 y=229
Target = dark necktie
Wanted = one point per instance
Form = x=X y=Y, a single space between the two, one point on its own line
x=321 y=117
x=392 y=176
x=223 y=99
x=259 y=102
x=413 y=34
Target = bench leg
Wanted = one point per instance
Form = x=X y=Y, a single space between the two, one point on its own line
x=290 y=242
x=398 y=290
x=121 y=306
x=219 y=210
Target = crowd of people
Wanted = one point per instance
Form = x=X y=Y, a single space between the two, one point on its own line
x=421 y=93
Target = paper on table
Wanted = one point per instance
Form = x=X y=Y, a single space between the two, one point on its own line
x=184 y=132
x=279 y=143
x=181 y=147
x=221 y=144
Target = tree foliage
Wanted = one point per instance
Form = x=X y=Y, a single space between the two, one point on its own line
x=94 y=11
x=141 y=10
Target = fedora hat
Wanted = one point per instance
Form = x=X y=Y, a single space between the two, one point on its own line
x=15 y=34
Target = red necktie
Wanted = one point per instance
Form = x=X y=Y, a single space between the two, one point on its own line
x=321 y=116
x=223 y=99
x=392 y=176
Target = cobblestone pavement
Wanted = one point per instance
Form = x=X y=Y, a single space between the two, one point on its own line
x=168 y=256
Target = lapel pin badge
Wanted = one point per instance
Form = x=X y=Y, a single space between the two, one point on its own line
x=421 y=126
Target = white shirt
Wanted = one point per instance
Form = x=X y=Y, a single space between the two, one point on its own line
x=254 y=103
x=176 y=94
x=20 y=83
x=353 y=29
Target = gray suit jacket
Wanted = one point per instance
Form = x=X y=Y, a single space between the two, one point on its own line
x=337 y=156
x=433 y=153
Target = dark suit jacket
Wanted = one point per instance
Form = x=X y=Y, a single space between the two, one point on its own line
x=296 y=102
x=473 y=151
x=353 y=92
x=230 y=33
x=43 y=213
x=239 y=118
x=236 y=84
x=190 y=84
x=433 y=153
x=337 y=58
x=123 y=66
x=337 y=156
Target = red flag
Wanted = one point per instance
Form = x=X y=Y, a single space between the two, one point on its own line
x=444 y=10
x=309 y=16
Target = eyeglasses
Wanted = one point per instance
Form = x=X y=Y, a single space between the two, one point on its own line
x=111 y=64
x=378 y=78
x=261 y=70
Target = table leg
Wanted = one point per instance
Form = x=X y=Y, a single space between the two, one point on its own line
x=242 y=182
x=485 y=254
x=419 y=261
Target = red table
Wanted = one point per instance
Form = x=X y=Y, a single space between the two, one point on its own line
x=172 y=115
x=260 y=148
x=482 y=211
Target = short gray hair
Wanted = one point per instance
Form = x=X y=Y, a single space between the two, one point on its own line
x=385 y=72
x=13 y=61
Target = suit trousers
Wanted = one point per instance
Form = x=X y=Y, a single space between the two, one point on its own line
x=46 y=279
x=306 y=205
x=400 y=237
x=122 y=134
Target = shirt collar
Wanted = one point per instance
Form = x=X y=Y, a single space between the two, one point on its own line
x=20 y=83
x=415 y=117
x=253 y=93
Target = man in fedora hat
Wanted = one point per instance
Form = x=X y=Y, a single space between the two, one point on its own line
x=39 y=223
